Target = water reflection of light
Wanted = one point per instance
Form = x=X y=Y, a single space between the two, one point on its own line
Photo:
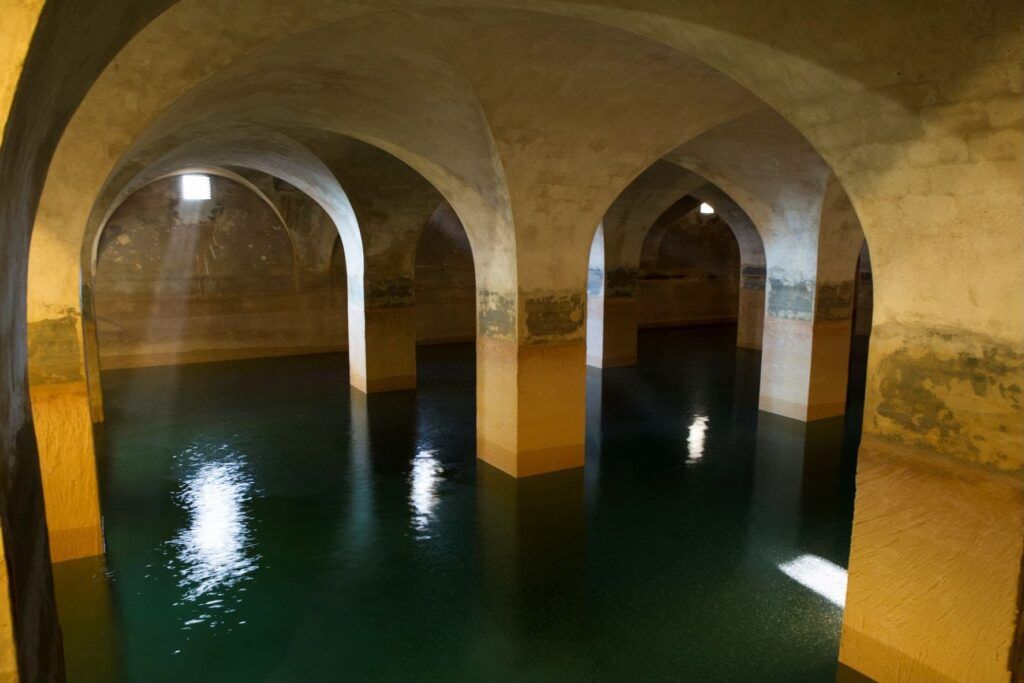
x=214 y=551
x=695 y=441
x=423 y=482
x=821 y=576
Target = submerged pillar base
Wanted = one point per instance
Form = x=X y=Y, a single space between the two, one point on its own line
x=389 y=345
x=63 y=423
x=804 y=368
x=935 y=568
x=612 y=330
x=531 y=405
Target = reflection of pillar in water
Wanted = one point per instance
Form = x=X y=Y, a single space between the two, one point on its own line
x=532 y=548
x=797 y=471
x=595 y=426
x=746 y=381
x=360 y=526
x=86 y=609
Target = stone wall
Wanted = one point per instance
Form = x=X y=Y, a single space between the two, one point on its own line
x=445 y=283
x=193 y=281
x=197 y=281
x=692 y=276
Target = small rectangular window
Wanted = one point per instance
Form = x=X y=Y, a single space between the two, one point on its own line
x=195 y=187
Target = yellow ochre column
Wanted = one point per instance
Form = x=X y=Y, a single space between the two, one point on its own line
x=63 y=424
x=531 y=382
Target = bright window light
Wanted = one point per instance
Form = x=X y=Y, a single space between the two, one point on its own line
x=823 y=577
x=195 y=187
x=706 y=208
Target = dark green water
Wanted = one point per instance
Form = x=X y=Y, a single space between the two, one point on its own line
x=263 y=525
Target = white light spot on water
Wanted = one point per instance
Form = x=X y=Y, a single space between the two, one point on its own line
x=423 y=482
x=214 y=552
x=821 y=576
x=695 y=440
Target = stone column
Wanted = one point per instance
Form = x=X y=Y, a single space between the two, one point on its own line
x=862 y=313
x=392 y=203
x=63 y=426
x=611 y=311
x=386 y=325
x=91 y=348
x=321 y=324
x=531 y=381
x=806 y=354
x=750 y=312
x=806 y=347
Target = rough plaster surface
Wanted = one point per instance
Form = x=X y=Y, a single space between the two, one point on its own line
x=530 y=117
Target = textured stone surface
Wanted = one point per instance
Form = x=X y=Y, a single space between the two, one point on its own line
x=935 y=567
x=531 y=123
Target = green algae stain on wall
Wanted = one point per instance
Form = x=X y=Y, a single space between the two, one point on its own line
x=55 y=350
x=555 y=317
x=960 y=392
x=496 y=315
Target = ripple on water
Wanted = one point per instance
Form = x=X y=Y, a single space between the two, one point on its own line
x=214 y=552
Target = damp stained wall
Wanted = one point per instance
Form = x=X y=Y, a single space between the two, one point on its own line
x=192 y=281
x=691 y=277
x=445 y=284
x=197 y=281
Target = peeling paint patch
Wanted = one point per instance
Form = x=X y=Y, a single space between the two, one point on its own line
x=790 y=300
x=496 y=315
x=958 y=391
x=392 y=292
x=621 y=283
x=752 y=277
x=554 y=317
x=55 y=351
x=834 y=301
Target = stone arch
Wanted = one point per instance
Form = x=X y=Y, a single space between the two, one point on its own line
x=917 y=127
x=168 y=270
x=90 y=344
x=612 y=290
x=445 y=281
x=690 y=271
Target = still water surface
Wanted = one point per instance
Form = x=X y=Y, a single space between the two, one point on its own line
x=265 y=524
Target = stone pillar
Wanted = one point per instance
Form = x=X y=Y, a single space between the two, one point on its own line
x=91 y=348
x=63 y=425
x=392 y=203
x=806 y=354
x=862 y=313
x=750 y=312
x=385 y=327
x=938 y=527
x=611 y=311
x=806 y=350
x=531 y=381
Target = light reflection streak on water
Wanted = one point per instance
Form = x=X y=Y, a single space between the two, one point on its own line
x=214 y=553
x=823 y=577
x=423 y=483
x=695 y=440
